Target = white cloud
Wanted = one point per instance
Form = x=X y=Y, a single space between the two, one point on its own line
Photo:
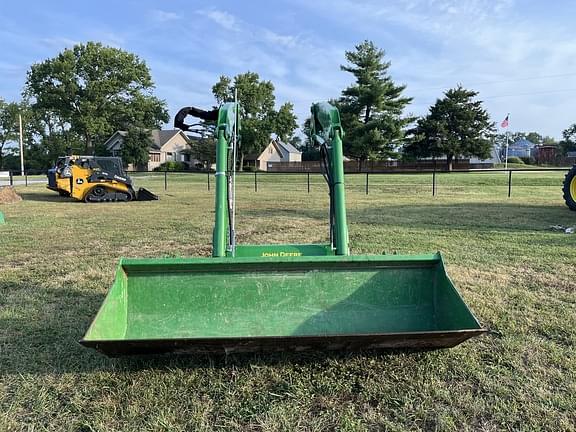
x=277 y=39
x=222 y=18
x=164 y=16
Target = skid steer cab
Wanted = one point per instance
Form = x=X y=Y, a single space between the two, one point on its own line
x=94 y=179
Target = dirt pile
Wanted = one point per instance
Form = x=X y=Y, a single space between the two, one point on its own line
x=8 y=195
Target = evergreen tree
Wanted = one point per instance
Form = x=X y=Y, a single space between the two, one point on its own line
x=371 y=109
x=456 y=125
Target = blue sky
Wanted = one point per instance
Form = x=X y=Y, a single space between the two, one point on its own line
x=520 y=55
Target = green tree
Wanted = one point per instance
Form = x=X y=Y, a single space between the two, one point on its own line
x=96 y=90
x=284 y=122
x=534 y=137
x=568 y=142
x=456 y=125
x=259 y=119
x=9 y=126
x=372 y=108
x=47 y=137
x=136 y=147
x=203 y=145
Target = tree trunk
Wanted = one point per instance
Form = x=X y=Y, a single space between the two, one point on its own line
x=367 y=115
x=241 y=167
x=88 y=145
x=449 y=159
x=2 y=155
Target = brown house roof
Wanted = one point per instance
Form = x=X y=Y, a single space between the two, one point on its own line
x=159 y=137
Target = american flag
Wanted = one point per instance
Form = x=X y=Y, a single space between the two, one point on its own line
x=504 y=123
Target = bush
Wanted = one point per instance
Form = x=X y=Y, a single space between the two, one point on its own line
x=172 y=166
x=528 y=160
x=249 y=168
x=515 y=160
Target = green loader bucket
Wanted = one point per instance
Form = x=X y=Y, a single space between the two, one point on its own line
x=290 y=303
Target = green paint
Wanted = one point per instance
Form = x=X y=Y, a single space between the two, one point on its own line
x=266 y=291
x=340 y=223
x=227 y=118
x=326 y=128
x=221 y=222
x=266 y=297
x=283 y=250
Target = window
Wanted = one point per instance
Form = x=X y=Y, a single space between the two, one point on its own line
x=154 y=157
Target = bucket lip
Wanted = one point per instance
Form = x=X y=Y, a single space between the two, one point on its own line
x=471 y=331
x=428 y=257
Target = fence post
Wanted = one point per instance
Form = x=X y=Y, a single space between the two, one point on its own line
x=434 y=181
x=308 y=181
x=11 y=178
x=366 y=183
x=25 y=178
x=165 y=178
x=509 y=183
x=255 y=181
x=208 y=177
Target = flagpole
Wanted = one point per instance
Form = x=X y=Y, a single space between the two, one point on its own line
x=507 y=123
x=506 y=157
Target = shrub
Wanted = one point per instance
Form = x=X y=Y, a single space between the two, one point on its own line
x=248 y=168
x=515 y=160
x=528 y=160
x=171 y=166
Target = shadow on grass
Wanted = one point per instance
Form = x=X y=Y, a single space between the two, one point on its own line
x=41 y=336
x=45 y=197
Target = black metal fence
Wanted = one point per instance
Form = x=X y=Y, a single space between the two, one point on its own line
x=433 y=175
x=9 y=176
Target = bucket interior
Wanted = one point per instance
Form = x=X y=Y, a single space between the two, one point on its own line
x=255 y=298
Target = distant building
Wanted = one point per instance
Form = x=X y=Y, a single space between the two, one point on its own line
x=276 y=151
x=545 y=154
x=520 y=148
x=168 y=145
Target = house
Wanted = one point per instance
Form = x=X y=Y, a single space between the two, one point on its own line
x=521 y=148
x=168 y=145
x=276 y=151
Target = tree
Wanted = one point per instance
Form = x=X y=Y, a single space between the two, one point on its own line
x=371 y=109
x=203 y=144
x=9 y=125
x=456 y=125
x=534 y=137
x=568 y=142
x=95 y=90
x=284 y=122
x=136 y=147
x=258 y=117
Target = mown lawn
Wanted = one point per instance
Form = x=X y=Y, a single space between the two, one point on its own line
x=57 y=259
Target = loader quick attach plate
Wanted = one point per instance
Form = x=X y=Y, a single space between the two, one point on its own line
x=280 y=303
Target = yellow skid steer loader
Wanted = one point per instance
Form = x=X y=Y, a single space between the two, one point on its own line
x=94 y=179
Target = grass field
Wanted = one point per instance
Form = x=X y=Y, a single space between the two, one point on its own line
x=57 y=259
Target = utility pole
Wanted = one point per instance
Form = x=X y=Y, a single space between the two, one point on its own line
x=21 y=147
